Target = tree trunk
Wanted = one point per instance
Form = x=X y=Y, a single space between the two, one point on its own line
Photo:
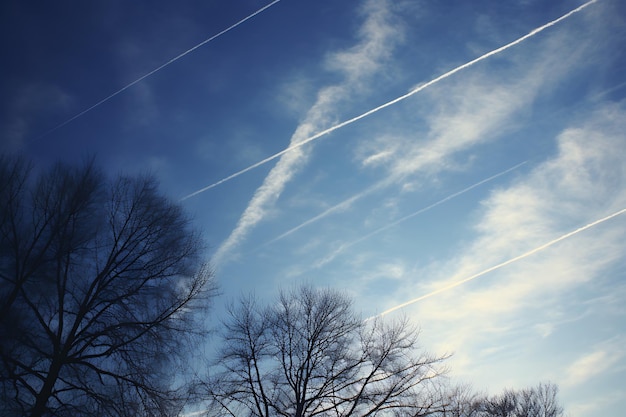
x=46 y=391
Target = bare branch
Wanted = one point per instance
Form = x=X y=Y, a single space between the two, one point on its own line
x=308 y=354
x=104 y=282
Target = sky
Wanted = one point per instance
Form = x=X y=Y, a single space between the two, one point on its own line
x=457 y=163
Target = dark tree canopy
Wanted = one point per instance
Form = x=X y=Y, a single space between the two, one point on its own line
x=309 y=354
x=100 y=281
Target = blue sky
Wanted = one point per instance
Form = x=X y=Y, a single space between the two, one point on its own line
x=485 y=185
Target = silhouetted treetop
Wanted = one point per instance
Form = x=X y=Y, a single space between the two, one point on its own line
x=101 y=280
x=309 y=354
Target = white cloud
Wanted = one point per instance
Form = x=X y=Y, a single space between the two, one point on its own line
x=394 y=269
x=377 y=37
x=468 y=111
x=544 y=329
x=478 y=106
x=296 y=144
x=378 y=157
x=597 y=362
x=486 y=109
x=584 y=181
x=379 y=29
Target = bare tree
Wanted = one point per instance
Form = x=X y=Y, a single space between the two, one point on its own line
x=460 y=401
x=309 y=354
x=539 y=401
x=100 y=283
x=502 y=405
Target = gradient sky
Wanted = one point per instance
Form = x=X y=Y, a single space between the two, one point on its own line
x=427 y=157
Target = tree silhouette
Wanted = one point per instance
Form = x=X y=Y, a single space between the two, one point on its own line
x=100 y=281
x=309 y=354
x=538 y=401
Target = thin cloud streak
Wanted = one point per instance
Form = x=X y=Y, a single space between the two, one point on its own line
x=195 y=413
x=171 y=61
x=337 y=207
x=378 y=35
x=394 y=101
x=503 y=264
x=345 y=246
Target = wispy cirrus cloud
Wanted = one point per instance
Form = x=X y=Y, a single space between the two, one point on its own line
x=465 y=112
x=507 y=262
x=583 y=182
x=602 y=359
x=328 y=258
x=377 y=35
x=295 y=145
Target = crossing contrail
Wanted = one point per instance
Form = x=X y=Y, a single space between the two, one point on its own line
x=503 y=264
x=171 y=61
x=392 y=102
x=345 y=246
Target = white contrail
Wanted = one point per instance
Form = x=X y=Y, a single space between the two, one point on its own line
x=345 y=246
x=337 y=207
x=176 y=58
x=381 y=184
x=375 y=41
x=392 y=102
x=505 y=263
